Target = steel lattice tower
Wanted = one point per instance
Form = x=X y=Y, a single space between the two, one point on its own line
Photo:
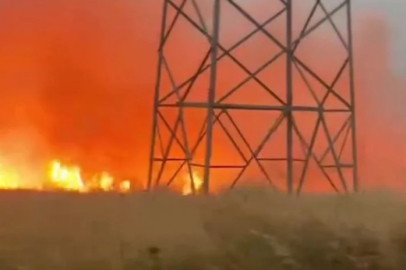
x=293 y=123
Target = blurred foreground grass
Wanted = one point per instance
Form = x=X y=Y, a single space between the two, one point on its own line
x=248 y=229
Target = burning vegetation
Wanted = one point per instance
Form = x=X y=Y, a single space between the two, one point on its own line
x=82 y=91
x=70 y=178
x=59 y=176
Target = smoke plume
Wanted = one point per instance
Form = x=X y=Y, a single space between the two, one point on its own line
x=77 y=80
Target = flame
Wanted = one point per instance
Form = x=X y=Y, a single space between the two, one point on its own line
x=65 y=177
x=81 y=97
x=70 y=178
x=125 y=186
x=103 y=182
x=188 y=180
x=106 y=181
x=9 y=180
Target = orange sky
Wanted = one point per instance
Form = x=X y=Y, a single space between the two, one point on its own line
x=77 y=82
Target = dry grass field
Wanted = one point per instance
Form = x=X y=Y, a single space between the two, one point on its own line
x=245 y=230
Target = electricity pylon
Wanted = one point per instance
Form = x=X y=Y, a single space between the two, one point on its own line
x=256 y=89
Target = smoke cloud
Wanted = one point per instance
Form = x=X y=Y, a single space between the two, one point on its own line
x=77 y=80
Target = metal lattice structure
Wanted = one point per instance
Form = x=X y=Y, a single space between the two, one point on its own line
x=305 y=110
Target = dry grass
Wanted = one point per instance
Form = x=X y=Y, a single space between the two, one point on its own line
x=246 y=230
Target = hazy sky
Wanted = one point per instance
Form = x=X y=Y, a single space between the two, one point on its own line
x=395 y=11
x=71 y=58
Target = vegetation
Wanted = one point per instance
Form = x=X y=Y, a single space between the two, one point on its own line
x=248 y=229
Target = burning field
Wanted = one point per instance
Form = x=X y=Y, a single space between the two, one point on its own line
x=60 y=177
x=76 y=84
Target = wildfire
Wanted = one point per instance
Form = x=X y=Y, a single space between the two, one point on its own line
x=70 y=178
x=9 y=180
x=65 y=177
x=106 y=181
x=188 y=180
x=125 y=186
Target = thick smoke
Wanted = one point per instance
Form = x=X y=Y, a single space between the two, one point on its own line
x=77 y=81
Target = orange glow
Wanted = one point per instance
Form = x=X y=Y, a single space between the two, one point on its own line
x=83 y=91
x=66 y=178
x=9 y=180
x=125 y=186
x=70 y=178
x=106 y=181
x=187 y=186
